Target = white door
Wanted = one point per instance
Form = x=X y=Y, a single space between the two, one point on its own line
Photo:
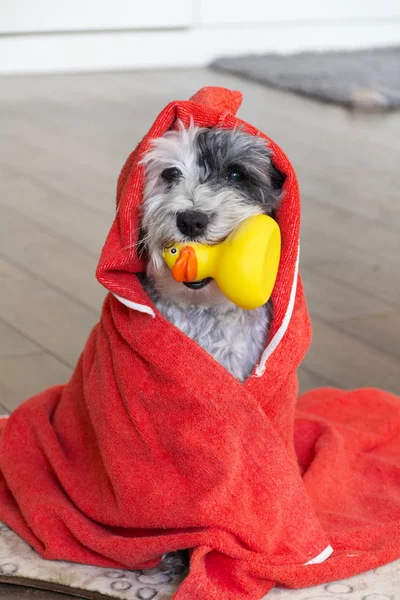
x=291 y=11
x=35 y=16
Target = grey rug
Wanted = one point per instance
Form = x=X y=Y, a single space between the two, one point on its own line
x=368 y=79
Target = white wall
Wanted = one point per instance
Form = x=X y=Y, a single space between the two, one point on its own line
x=46 y=35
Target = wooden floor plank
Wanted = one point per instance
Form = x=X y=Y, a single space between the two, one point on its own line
x=371 y=274
x=332 y=300
x=43 y=135
x=55 y=211
x=54 y=322
x=348 y=362
x=13 y=343
x=61 y=175
x=380 y=331
x=362 y=232
x=7 y=398
x=25 y=376
x=18 y=592
x=59 y=264
x=309 y=380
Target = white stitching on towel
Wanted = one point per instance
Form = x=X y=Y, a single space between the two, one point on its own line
x=284 y=325
x=139 y=307
x=321 y=557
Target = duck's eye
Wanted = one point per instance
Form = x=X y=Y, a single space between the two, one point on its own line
x=174 y=250
x=235 y=175
x=171 y=174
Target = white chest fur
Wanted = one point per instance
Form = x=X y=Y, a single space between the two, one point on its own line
x=234 y=337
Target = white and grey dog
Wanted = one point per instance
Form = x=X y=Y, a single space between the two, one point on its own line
x=199 y=185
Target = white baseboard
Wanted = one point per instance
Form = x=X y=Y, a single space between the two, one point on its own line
x=96 y=51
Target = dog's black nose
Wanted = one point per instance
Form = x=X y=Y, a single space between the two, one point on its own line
x=192 y=222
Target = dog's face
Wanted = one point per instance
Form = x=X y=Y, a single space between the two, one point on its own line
x=199 y=185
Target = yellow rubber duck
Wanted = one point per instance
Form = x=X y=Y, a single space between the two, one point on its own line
x=244 y=265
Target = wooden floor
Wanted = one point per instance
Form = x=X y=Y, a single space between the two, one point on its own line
x=63 y=141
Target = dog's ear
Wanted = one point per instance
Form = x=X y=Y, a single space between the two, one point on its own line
x=277 y=178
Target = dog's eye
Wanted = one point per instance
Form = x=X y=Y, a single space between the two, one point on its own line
x=235 y=175
x=171 y=174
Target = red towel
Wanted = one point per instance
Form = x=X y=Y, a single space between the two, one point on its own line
x=153 y=446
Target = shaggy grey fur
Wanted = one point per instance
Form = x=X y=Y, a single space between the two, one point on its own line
x=233 y=336
x=222 y=152
x=227 y=176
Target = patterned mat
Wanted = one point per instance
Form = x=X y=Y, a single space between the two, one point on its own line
x=20 y=564
x=368 y=79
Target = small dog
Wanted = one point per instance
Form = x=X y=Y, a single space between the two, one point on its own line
x=199 y=185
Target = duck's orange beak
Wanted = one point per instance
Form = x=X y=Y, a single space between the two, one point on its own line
x=185 y=268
